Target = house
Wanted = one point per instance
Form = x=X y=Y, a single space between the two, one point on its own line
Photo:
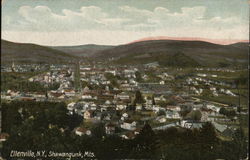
x=106 y=117
x=27 y=99
x=57 y=95
x=212 y=89
x=152 y=65
x=161 y=119
x=213 y=107
x=71 y=107
x=172 y=114
x=110 y=128
x=86 y=89
x=80 y=131
x=111 y=71
x=215 y=94
x=178 y=99
x=128 y=135
x=160 y=98
x=31 y=79
x=174 y=108
x=201 y=75
x=228 y=92
x=162 y=82
x=93 y=106
x=125 y=115
x=219 y=127
x=88 y=114
x=137 y=131
x=121 y=106
x=197 y=106
x=3 y=137
x=190 y=124
x=107 y=102
x=138 y=107
x=214 y=75
x=123 y=96
x=129 y=125
x=86 y=96
x=156 y=108
x=204 y=115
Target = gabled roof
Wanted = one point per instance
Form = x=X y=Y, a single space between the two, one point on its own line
x=56 y=94
x=220 y=127
x=81 y=129
x=129 y=121
x=90 y=111
x=130 y=135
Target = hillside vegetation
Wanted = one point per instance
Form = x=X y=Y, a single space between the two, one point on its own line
x=31 y=53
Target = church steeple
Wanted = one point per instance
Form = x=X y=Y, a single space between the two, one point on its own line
x=13 y=66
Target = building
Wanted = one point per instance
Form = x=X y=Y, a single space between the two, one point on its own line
x=88 y=114
x=128 y=125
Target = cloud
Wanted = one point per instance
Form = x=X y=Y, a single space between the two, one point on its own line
x=93 y=24
x=44 y=19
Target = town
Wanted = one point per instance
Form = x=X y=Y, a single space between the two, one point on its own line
x=125 y=98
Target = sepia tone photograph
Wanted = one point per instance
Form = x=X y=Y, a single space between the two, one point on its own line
x=124 y=79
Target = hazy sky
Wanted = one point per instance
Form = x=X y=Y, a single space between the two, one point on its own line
x=75 y=22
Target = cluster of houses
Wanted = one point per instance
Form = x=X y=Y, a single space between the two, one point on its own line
x=216 y=69
x=23 y=67
x=108 y=100
x=198 y=84
x=115 y=111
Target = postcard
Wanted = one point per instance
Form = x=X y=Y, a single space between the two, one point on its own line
x=124 y=79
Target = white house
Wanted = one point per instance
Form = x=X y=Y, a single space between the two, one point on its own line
x=82 y=131
x=125 y=115
x=161 y=119
x=129 y=125
x=174 y=108
x=172 y=114
x=138 y=107
x=213 y=107
x=86 y=96
x=110 y=128
x=123 y=96
x=121 y=106
x=88 y=114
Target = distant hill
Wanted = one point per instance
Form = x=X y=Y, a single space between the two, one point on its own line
x=165 y=52
x=31 y=53
x=215 y=41
x=82 y=50
x=196 y=52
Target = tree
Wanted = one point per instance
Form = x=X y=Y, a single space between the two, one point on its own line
x=208 y=133
x=240 y=143
x=229 y=113
x=161 y=113
x=138 y=97
x=99 y=131
x=146 y=142
x=138 y=76
x=223 y=64
x=153 y=100
x=194 y=115
x=222 y=110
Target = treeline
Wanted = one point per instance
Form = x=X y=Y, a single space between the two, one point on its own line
x=20 y=83
x=46 y=126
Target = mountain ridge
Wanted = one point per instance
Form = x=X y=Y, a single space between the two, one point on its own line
x=194 y=52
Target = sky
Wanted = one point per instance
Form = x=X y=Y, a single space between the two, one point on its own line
x=114 y=22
